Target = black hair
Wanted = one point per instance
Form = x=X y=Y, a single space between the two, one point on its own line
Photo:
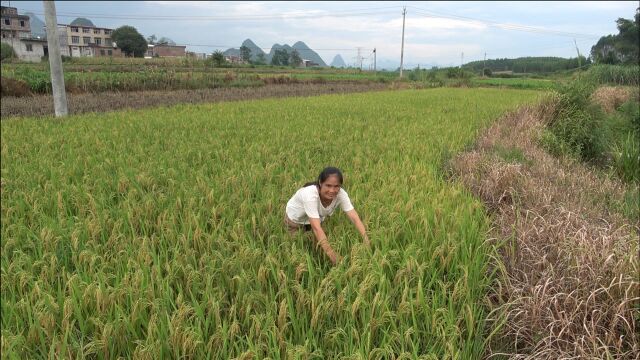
x=324 y=175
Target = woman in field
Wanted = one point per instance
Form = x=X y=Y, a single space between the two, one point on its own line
x=316 y=200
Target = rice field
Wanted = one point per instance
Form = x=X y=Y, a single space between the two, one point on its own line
x=158 y=233
x=79 y=79
x=517 y=83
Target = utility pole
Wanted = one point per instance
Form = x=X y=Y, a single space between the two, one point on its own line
x=404 y=13
x=359 y=59
x=55 y=61
x=484 y=66
x=375 y=70
x=578 y=51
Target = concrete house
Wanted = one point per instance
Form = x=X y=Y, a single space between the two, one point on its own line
x=16 y=31
x=83 y=38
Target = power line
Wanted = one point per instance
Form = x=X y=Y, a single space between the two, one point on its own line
x=547 y=46
x=288 y=15
x=265 y=48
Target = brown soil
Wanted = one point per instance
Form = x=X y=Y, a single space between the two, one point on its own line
x=569 y=285
x=38 y=105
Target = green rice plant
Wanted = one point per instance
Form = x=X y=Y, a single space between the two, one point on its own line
x=146 y=78
x=158 y=233
x=517 y=83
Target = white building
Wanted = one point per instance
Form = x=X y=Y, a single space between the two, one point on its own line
x=16 y=31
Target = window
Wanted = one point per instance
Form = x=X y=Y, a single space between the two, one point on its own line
x=96 y=31
x=86 y=30
x=29 y=47
x=98 y=41
x=107 y=41
x=75 y=39
x=7 y=21
x=109 y=52
x=74 y=29
x=86 y=39
x=102 y=52
x=21 y=23
x=107 y=32
x=4 y=36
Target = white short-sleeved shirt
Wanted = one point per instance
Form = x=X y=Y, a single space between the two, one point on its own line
x=306 y=204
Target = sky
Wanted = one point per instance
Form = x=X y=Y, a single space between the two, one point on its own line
x=436 y=33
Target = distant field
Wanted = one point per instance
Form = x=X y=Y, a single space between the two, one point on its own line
x=158 y=233
x=519 y=83
x=84 y=78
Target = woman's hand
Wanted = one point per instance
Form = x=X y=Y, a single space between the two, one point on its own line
x=366 y=240
x=321 y=240
x=355 y=219
x=334 y=257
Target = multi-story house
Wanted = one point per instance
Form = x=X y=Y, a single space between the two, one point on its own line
x=85 y=39
x=16 y=31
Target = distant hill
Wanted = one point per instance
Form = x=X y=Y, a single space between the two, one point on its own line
x=308 y=54
x=82 y=22
x=277 y=47
x=231 y=52
x=338 y=62
x=302 y=48
x=37 y=25
x=255 y=50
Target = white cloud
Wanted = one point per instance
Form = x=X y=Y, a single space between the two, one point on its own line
x=427 y=39
x=221 y=8
x=595 y=5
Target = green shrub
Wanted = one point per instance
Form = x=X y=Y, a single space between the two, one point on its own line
x=577 y=125
x=459 y=73
x=6 y=51
x=631 y=111
x=555 y=145
x=626 y=158
x=582 y=131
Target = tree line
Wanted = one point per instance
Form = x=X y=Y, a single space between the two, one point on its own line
x=527 y=64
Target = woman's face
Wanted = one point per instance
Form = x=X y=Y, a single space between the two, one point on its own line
x=329 y=188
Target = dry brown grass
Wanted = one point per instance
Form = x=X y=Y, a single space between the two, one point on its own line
x=39 y=105
x=14 y=87
x=570 y=286
x=611 y=97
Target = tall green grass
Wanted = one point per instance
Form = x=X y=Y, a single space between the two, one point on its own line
x=159 y=233
x=614 y=74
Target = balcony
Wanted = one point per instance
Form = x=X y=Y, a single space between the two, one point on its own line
x=29 y=36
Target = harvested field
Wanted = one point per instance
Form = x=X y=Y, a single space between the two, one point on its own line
x=39 y=105
x=571 y=285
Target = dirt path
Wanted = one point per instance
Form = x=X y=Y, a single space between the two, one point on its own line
x=569 y=261
x=39 y=105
